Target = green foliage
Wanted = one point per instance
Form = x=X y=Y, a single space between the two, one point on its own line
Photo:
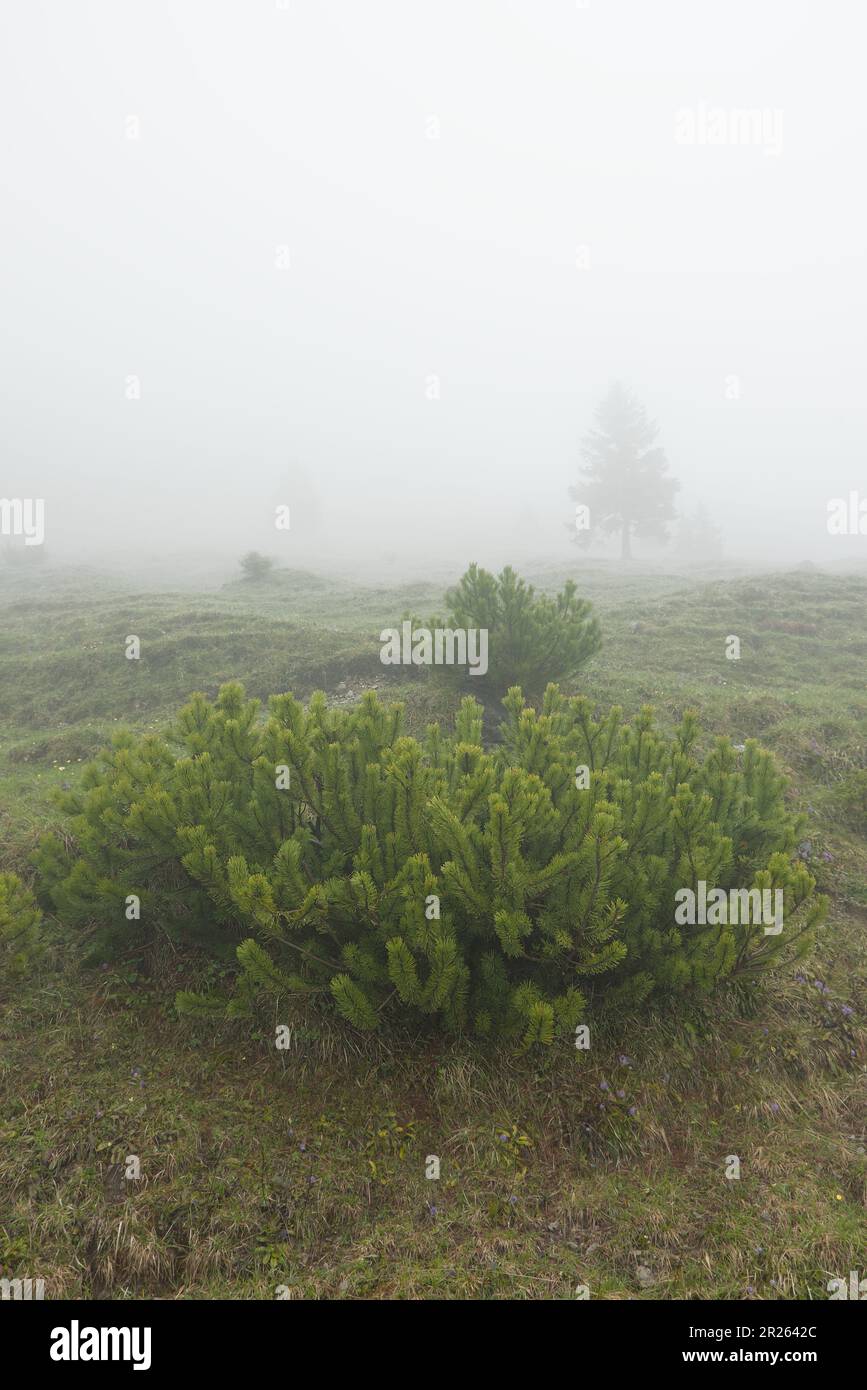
x=532 y=638
x=502 y=892
x=21 y=941
x=256 y=566
x=851 y=799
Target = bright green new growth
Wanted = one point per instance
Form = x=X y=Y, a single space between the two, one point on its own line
x=396 y=877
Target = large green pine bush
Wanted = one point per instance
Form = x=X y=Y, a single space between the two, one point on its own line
x=551 y=897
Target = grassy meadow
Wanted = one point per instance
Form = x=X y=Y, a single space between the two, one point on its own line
x=304 y=1171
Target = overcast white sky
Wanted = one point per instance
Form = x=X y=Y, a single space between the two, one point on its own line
x=307 y=125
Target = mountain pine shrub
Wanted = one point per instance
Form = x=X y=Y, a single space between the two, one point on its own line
x=21 y=942
x=385 y=876
x=532 y=638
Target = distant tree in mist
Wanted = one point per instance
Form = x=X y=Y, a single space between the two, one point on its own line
x=697 y=537
x=256 y=566
x=623 y=479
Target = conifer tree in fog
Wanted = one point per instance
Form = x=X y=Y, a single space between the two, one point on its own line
x=624 y=478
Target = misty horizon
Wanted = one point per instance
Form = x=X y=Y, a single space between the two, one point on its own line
x=296 y=256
